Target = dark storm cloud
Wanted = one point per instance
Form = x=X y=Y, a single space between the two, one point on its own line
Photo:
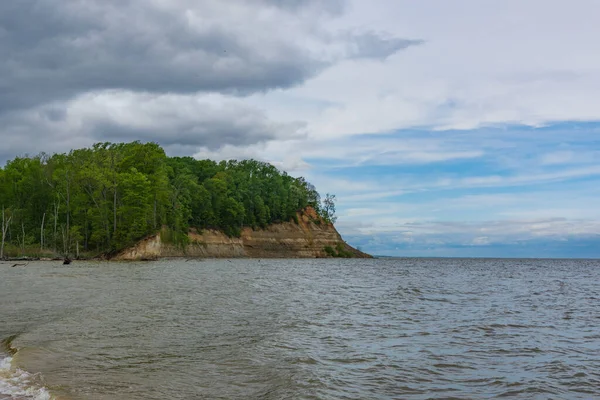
x=56 y=52
x=52 y=49
x=335 y=7
x=177 y=122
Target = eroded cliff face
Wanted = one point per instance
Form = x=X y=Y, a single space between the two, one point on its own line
x=306 y=239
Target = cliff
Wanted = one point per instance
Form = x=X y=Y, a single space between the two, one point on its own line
x=311 y=237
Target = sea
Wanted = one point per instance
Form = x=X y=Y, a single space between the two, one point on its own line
x=301 y=329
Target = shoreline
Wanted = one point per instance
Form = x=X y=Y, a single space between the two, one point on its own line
x=18 y=260
x=15 y=382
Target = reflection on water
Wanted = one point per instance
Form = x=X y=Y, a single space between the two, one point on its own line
x=302 y=329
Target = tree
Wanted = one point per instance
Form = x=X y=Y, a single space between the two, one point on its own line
x=111 y=195
x=329 y=208
x=4 y=228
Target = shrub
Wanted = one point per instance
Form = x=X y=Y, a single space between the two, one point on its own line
x=330 y=251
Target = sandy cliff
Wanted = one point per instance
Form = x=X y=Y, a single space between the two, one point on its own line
x=306 y=239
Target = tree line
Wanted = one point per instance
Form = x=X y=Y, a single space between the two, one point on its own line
x=107 y=197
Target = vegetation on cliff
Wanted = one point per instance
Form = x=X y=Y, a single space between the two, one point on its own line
x=105 y=198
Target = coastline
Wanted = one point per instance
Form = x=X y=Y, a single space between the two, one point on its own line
x=306 y=236
x=16 y=383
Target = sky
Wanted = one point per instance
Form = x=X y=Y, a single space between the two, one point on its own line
x=461 y=128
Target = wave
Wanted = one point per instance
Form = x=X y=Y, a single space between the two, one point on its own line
x=14 y=382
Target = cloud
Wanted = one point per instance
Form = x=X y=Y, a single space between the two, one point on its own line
x=335 y=7
x=558 y=158
x=181 y=123
x=203 y=121
x=389 y=150
x=452 y=222
x=493 y=68
x=53 y=50
x=377 y=46
x=480 y=241
x=176 y=72
x=526 y=179
x=500 y=238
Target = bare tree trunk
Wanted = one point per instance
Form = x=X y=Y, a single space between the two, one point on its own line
x=42 y=233
x=23 y=238
x=114 y=172
x=5 y=224
x=85 y=233
x=115 y=207
x=154 y=214
x=56 y=205
x=3 y=233
x=64 y=236
x=68 y=234
x=105 y=216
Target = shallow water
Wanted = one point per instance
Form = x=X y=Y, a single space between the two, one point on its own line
x=302 y=329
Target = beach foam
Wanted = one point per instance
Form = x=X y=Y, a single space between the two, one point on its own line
x=18 y=384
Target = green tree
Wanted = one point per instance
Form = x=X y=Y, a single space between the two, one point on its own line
x=328 y=212
x=105 y=197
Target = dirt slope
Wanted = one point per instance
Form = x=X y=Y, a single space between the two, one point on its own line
x=306 y=239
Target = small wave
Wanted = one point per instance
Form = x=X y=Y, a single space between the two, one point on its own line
x=6 y=345
x=18 y=384
x=452 y=366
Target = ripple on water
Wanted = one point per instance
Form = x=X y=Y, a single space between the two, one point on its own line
x=307 y=329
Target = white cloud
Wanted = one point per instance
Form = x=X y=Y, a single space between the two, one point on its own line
x=481 y=241
x=483 y=63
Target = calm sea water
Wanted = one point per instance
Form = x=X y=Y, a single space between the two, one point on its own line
x=301 y=329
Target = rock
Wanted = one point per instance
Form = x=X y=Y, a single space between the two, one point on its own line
x=306 y=239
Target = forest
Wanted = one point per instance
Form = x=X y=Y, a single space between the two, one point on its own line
x=101 y=199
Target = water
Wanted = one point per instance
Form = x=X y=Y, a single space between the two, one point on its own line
x=301 y=329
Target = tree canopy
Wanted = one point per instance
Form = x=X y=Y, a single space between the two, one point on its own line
x=106 y=197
